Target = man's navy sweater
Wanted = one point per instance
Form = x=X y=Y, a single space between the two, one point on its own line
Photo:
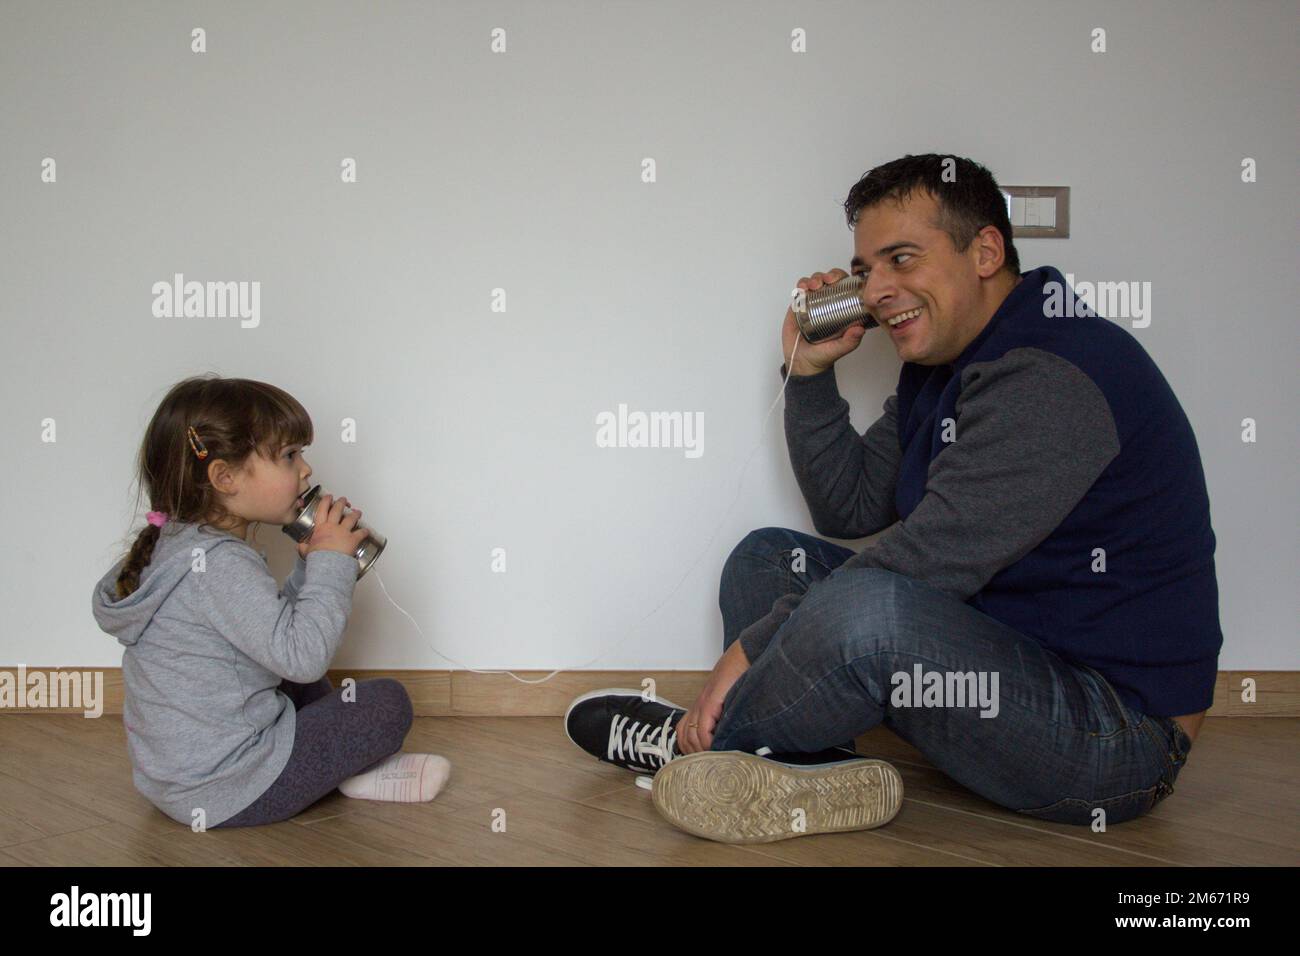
x=1050 y=449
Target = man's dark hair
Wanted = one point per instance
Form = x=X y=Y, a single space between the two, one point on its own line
x=970 y=202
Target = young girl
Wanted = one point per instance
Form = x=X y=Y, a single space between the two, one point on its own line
x=230 y=720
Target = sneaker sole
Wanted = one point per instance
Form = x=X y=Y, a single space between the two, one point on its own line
x=736 y=797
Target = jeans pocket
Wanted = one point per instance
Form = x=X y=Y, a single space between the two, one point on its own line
x=1122 y=714
x=1116 y=809
x=1182 y=742
x=1173 y=741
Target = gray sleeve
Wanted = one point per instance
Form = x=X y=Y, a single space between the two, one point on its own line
x=293 y=637
x=296 y=579
x=755 y=638
x=1033 y=434
x=847 y=479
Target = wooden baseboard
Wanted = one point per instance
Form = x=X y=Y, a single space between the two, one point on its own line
x=467 y=694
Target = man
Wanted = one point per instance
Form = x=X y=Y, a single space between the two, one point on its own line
x=1039 y=612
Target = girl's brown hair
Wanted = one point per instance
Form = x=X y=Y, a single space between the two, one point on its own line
x=233 y=418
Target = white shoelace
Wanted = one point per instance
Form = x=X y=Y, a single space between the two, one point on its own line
x=649 y=745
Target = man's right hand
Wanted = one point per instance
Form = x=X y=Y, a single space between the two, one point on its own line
x=818 y=357
x=695 y=729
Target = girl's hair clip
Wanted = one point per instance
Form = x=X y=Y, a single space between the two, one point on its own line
x=200 y=450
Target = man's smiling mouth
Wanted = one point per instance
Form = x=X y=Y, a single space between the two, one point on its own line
x=901 y=320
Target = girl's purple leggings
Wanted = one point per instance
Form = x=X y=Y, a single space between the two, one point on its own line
x=334 y=739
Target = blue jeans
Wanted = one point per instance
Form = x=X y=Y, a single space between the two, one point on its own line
x=1060 y=744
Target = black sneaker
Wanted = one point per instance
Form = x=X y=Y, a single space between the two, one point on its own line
x=621 y=727
x=737 y=797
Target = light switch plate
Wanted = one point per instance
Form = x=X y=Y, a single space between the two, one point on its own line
x=1038 y=212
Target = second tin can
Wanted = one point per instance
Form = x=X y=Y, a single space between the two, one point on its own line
x=832 y=309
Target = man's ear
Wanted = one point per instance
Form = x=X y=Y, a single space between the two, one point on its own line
x=990 y=252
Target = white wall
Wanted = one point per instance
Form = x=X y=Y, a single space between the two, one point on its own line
x=522 y=171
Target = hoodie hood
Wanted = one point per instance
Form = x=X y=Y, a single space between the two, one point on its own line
x=126 y=619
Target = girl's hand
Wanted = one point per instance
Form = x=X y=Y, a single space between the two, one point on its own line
x=304 y=547
x=334 y=531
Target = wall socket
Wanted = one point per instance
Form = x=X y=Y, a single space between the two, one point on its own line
x=1038 y=212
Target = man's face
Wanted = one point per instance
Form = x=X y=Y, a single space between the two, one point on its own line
x=911 y=264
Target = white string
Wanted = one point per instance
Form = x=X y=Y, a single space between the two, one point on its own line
x=739 y=487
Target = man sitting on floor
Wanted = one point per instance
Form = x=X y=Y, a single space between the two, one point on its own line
x=1045 y=536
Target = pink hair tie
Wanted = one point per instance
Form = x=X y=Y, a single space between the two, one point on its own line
x=157 y=518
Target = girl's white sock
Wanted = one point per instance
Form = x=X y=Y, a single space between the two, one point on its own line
x=403 y=778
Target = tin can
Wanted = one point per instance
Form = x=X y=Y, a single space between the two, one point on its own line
x=301 y=528
x=830 y=310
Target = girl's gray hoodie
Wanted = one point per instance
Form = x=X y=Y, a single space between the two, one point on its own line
x=208 y=637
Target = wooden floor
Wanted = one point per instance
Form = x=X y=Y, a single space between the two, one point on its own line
x=66 y=799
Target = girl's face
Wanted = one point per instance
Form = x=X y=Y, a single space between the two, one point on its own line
x=268 y=490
